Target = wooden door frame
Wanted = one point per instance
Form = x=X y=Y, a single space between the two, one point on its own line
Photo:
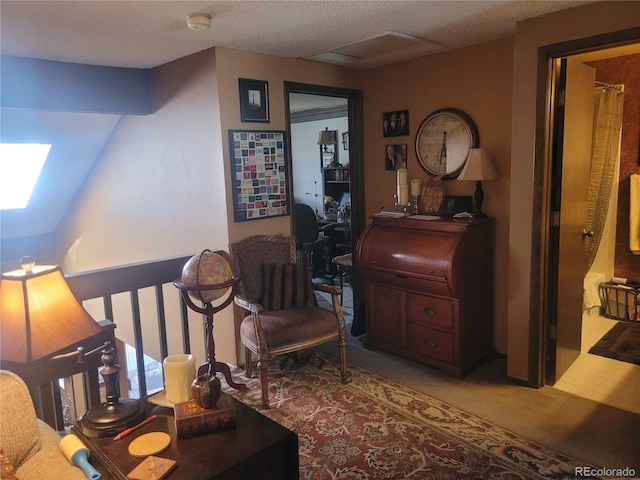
x=541 y=268
x=356 y=166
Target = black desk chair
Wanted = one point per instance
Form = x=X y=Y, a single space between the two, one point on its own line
x=314 y=242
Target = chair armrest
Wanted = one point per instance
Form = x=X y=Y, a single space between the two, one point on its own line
x=335 y=300
x=333 y=290
x=345 y=247
x=330 y=227
x=317 y=244
x=252 y=307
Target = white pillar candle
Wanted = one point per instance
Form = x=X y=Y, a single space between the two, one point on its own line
x=416 y=185
x=403 y=194
x=402 y=176
x=179 y=372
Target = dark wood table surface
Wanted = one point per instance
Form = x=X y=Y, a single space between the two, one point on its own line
x=256 y=448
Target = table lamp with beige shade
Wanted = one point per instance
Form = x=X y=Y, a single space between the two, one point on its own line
x=42 y=323
x=478 y=167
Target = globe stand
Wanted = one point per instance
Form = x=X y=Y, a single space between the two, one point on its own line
x=211 y=366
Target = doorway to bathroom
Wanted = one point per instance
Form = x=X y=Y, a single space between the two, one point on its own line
x=574 y=320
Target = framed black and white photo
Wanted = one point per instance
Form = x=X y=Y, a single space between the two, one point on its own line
x=259 y=174
x=254 y=100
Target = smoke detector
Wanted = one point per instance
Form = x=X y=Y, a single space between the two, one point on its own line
x=199 y=21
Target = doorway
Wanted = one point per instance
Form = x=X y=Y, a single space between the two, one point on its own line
x=356 y=171
x=320 y=172
x=581 y=327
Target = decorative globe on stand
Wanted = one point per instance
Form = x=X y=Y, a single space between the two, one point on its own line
x=207 y=277
x=206 y=268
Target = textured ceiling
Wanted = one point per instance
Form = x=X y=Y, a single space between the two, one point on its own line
x=146 y=34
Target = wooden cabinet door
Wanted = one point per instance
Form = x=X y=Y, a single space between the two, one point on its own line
x=386 y=315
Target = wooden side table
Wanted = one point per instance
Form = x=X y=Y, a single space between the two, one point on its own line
x=257 y=447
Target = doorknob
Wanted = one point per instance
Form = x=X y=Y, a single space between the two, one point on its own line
x=587 y=233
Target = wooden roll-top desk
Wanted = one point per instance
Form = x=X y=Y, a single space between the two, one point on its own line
x=429 y=290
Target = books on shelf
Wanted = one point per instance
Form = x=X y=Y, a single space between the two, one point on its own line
x=192 y=420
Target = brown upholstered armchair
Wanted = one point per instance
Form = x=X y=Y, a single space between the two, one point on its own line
x=284 y=313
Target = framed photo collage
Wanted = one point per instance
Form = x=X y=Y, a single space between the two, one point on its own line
x=259 y=174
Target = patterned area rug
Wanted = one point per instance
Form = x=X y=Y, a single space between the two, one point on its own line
x=622 y=343
x=373 y=428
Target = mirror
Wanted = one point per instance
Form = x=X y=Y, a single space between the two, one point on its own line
x=319 y=171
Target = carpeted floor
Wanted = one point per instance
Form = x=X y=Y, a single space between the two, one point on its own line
x=373 y=428
x=622 y=343
x=576 y=426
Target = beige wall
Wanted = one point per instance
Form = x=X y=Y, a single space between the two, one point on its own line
x=157 y=189
x=161 y=187
x=477 y=80
x=594 y=19
x=157 y=192
x=234 y=64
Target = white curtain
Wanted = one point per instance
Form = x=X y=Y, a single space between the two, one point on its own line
x=606 y=145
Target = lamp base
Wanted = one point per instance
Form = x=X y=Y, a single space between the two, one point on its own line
x=479 y=197
x=107 y=420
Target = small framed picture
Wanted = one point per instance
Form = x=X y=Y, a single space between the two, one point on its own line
x=395 y=156
x=345 y=140
x=395 y=124
x=254 y=100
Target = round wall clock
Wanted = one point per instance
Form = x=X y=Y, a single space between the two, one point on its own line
x=444 y=140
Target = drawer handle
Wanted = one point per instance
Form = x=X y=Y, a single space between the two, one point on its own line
x=430 y=343
x=429 y=311
x=400 y=275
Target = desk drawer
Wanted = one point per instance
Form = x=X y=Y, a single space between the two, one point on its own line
x=430 y=342
x=430 y=311
x=435 y=286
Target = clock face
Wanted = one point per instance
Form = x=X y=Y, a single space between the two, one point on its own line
x=443 y=142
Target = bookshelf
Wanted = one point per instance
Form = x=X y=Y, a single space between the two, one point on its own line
x=335 y=181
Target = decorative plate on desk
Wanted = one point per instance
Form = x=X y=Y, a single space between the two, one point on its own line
x=432 y=196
